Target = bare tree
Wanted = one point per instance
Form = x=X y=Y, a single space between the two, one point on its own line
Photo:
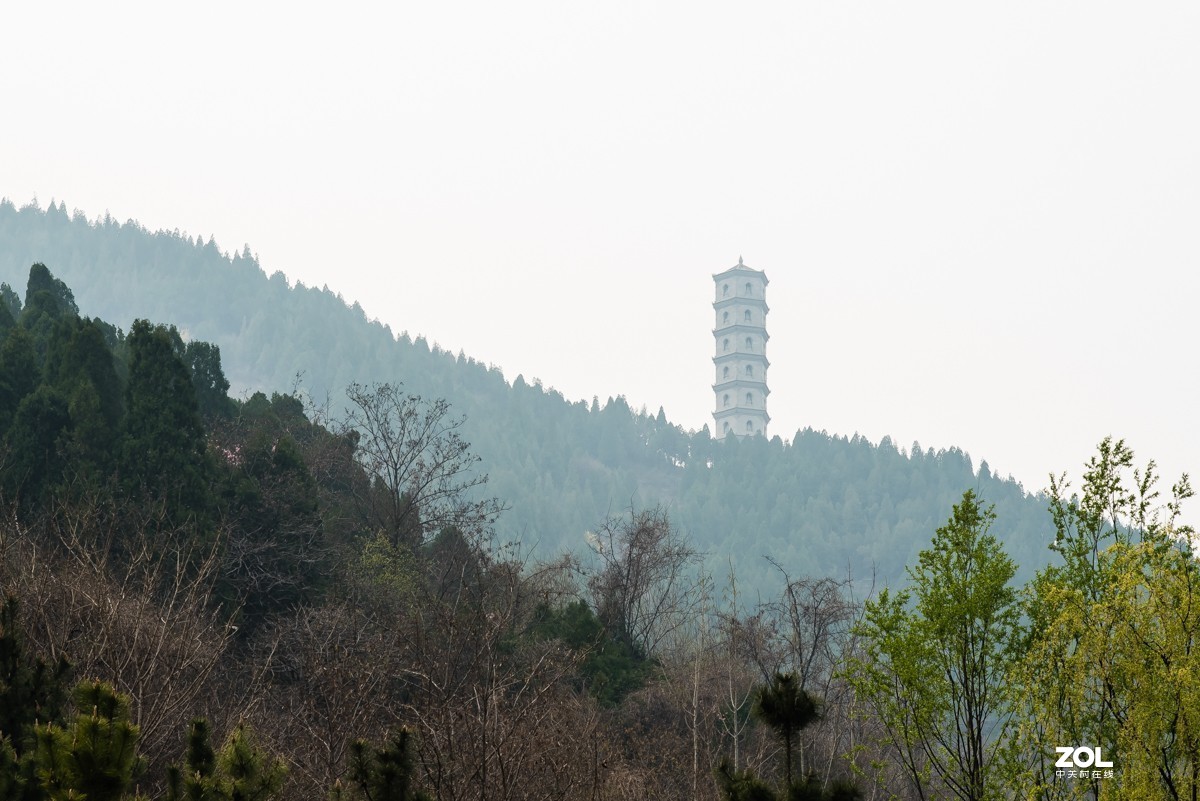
x=141 y=616
x=494 y=711
x=329 y=668
x=422 y=472
x=647 y=586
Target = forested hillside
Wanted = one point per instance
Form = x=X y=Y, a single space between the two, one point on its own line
x=206 y=597
x=820 y=504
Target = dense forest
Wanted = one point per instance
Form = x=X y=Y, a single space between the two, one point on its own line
x=818 y=504
x=210 y=597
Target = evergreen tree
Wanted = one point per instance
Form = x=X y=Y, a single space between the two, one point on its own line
x=196 y=782
x=60 y=295
x=80 y=365
x=247 y=774
x=37 y=447
x=47 y=300
x=203 y=360
x=163 y=448
x=19 y=373
x=786 y=708
x=383 y=774
x=240 y=772
x=742 y=785
x=96 y=756
x=32 y=691
x=11 y=303
x=8 y=320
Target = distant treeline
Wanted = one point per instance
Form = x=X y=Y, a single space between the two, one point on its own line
x=818 y=504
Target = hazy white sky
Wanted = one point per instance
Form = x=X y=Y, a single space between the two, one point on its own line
x=980 y=220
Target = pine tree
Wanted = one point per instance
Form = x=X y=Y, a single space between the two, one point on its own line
x=31 y=692
x=786 y=708
x=247 y=774
x=384 y=774
x=96 y=756
x=241 y=772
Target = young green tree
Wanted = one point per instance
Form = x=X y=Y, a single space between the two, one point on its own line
x=1111 y=660
x=246 y=773
x=742 y=785
x=787 y=709
x=936 y=656
x=96 y=756
x=32 y=691
x=240 y=772
x=382 y=774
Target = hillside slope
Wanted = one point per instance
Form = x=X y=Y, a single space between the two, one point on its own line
x=821 y=504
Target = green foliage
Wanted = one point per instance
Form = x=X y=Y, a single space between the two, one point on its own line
x=787 y=709
x=203 y=361
x=42 y=284
x=11 y=783
x=31 y=690
x=11 y=303
x=383 y=774
x=163 y=448
x=96 y=756
x=80 y=365
x=248 y=774
x=197 y=781
x=240 y=772
x=37 y=440
x=47 y=302
x=19 y=373
x=387 y=575
x=8 y=320
x=742 y=785
x=1111 y=658
x=934 y=671
x=271 y=504
x=611 y=668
